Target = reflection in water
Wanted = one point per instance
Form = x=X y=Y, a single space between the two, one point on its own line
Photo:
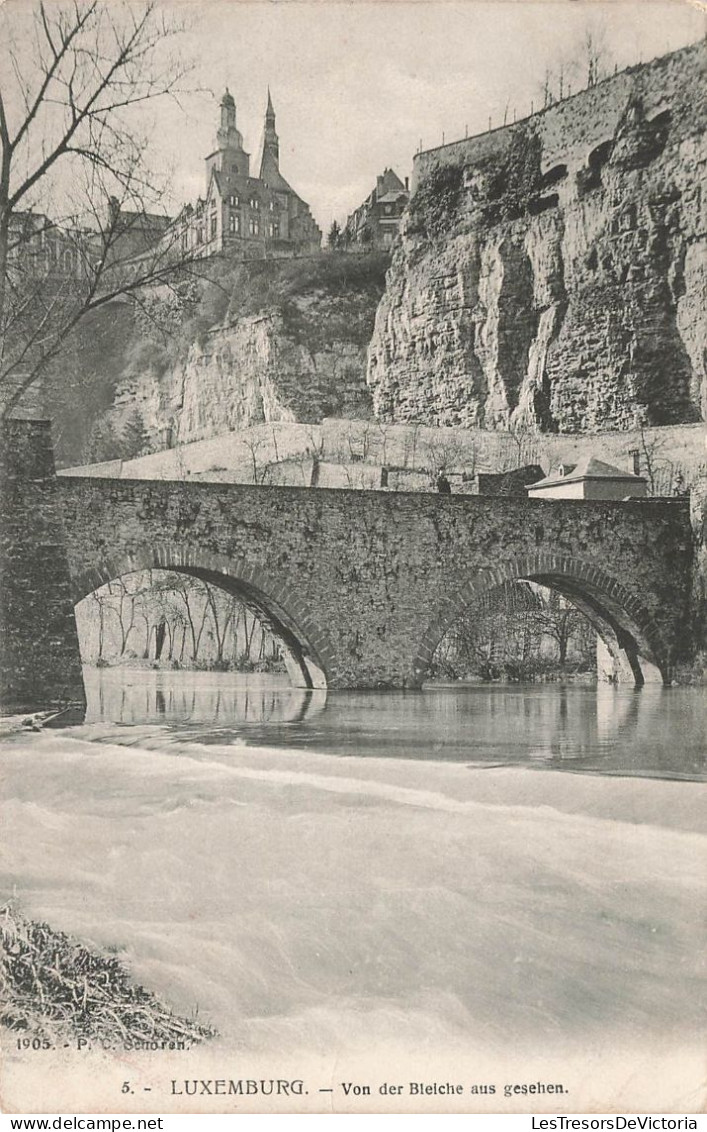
x=145 y=695
x=651 y=731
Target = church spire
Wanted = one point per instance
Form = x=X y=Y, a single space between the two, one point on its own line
x=272 y=142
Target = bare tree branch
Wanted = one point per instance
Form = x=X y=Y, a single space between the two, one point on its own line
x=70 y=110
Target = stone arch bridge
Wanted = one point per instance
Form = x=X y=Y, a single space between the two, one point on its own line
x=360 y=585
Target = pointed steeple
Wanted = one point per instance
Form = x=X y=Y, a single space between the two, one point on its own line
x=271 y=144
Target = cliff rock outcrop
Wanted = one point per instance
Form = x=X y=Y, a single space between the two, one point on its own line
x=291 y=346
x=245 y=373
x=554 y=272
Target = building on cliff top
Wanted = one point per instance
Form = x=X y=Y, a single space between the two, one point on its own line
x=375 y=222
x=39 y=248
x=250 y=217
x=589 y=479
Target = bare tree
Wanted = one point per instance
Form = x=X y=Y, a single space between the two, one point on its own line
x=657 y=469
x=524 y=444
x=410 y=443
x=596 y=54
x=180 y=614
x=558 y=619
x=190 y=590
x=359 y=443
x=257 y=447
x=243 y=643
x=442 y=452
x=82 y=219
x=222 y=612
x=547 y=89
x=506 y=631
x=122 y=604
x=98 y=599
x=586 y=66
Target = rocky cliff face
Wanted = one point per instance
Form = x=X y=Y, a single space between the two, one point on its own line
x=555 y=272
x=246 y=373
x=291 y=347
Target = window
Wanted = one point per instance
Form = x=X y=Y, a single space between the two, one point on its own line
x=234 y=223
x=200 y=235
x=388 y=208
x=212 y=226
x=254 y=203
x=185 y=241
x=233 y=200
x=254 y=226
x=272 y=205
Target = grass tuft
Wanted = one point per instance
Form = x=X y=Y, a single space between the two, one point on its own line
x=53 y=987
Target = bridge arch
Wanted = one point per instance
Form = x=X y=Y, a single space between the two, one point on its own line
x=307 y=652
x=632 y=639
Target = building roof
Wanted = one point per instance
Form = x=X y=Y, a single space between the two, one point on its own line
x=588 y=468
x=392 y=197
x=390 y=181
x=270 y=172
x=513 y=482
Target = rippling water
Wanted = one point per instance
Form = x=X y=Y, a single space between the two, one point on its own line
x=338 y=875
x=651 y=732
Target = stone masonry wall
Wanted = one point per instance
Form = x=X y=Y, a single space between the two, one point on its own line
x=40 y=665
x=262 y=452
x=362 y=584
x=554 y=270
x=369 y=579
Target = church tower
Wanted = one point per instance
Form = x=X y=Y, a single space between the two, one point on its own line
x=227 y=136
x=229 y=157
x=243 y=214
x=270 y=163
x=272 y=142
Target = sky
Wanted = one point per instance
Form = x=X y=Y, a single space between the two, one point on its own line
x=358 y=86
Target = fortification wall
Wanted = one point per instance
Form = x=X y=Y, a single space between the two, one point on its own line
x=571 y=129
x=554 y=271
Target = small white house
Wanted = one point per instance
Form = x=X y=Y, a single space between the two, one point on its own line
x=589 y=479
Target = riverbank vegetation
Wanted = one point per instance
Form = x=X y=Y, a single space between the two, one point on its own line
x=168 y=620
x=693 y=672
x=54 y=988
x=518 y=632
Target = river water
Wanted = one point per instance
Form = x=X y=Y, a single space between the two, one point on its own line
x=328 y=876
x=599 y=729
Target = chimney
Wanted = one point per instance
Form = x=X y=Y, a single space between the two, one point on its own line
x=636 y=457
